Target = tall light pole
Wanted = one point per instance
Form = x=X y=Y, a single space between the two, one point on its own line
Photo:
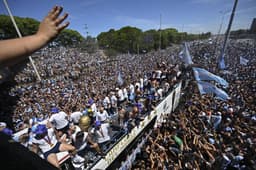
x=20 y=36
x=86 y=30
x=219 y=31
x=221 y=57
x=160 y=34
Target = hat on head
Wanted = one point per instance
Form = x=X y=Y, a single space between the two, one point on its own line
x=40 y=129
x=7 y=131
x=90 y=101
x=54 y=110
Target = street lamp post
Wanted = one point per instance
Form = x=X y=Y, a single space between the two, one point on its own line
x=221 y=57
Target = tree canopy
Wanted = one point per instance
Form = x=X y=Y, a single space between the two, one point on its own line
x=29 y=26
x=127 y=39
x=132 y=39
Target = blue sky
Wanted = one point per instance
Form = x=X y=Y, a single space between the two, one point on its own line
x=192 y=16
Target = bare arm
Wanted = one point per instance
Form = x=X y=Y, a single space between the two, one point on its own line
x=19 y=48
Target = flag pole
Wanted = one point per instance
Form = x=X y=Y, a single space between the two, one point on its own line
x=228 y=32
x=160 y=36
x=20 y=36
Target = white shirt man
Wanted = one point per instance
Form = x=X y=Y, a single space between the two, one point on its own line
x=46 y=143
x=75 y=116
x=125 y=94
x=141 y=83
x=138 y=85
x=59 y=120
x=113 y=101
x=158 y=74
x=132 y=88
x=160 y=93
x=120 y=95
x=94 y=108
x=102 y=115
x=106 y=102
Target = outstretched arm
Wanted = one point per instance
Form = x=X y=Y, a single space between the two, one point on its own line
x=19 y=48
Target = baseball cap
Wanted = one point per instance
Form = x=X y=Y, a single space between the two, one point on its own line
x=40 y=129
x=90 y=101
x=7 y=131
x=54 y=110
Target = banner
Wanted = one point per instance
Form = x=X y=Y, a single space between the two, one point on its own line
x=177 y=96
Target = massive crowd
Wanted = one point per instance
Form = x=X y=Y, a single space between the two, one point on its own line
x=203 y=133
x=116 y=93
x=68 y=74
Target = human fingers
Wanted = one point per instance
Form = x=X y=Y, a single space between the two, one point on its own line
x=56 y=13
x=52 y=11
x=61 y=19
x=63 y=26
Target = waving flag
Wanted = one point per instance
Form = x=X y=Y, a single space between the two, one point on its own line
x=120 y=79
x=208 y=88
x=243 y=61
x=202 y=74
x=222 y=64
x=185 y=55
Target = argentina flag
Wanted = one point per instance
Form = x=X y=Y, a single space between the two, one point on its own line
x=202 y=74
x=243 y=61
x=185 y=55
x=208 y=88
x=120 y=79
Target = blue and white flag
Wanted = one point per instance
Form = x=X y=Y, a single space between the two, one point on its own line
x=243 y=61
x=120 y=79
x=185 y=55
x=202 y=74
x=221 y=63
x=208 y=88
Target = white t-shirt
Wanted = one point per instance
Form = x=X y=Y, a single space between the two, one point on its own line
x=158 y=74
x=125 y=93
x=113 y=101
x=132 y=89
x=102 y=116
x=120 y=95
x=137 y=84
x=160 y=93
x=59 y=120
x=141 y=83
x=94 y=108
x=75 y=116
x=47 y=143
x=106 y=102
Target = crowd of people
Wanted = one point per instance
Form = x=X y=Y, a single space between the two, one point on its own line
x=115 y=94
x=71 y=78
x=84 y=98
x=205 y=132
